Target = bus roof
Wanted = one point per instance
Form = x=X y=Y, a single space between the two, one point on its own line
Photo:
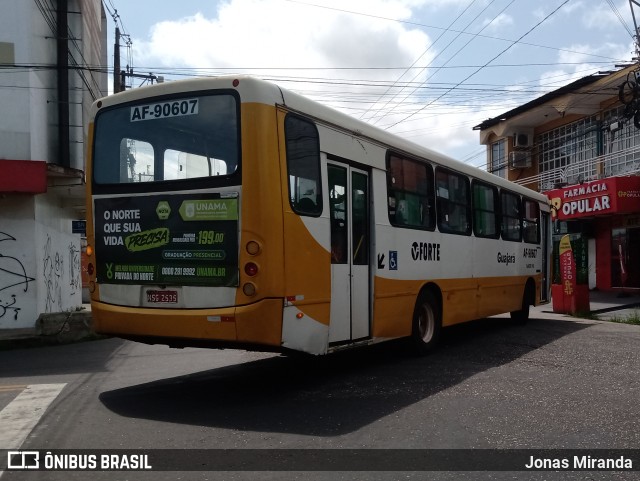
x=252 y=89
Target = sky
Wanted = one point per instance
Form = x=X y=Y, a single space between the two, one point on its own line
x=427 y=70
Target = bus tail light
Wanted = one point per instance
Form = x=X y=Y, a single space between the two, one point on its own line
x=250 y=269
x=90 y=267
x=249 y=289
x=253 y=248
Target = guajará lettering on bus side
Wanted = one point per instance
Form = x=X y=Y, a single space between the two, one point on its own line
x=506 y=258
x=148 y=239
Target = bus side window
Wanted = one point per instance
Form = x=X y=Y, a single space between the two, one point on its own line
x=511 y=216
x=303 y=166
x=486 y=204
x=454 y=203
x=531 y=221
x=338 y=213
x=410 y=197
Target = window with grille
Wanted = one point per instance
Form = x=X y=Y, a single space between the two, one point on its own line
x=570 y=150
x=499 y=158
x=621 y=147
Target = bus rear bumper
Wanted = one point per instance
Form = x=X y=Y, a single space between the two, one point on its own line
x=257 y=324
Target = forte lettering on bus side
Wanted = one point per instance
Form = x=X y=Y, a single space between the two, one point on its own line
x=425 y=251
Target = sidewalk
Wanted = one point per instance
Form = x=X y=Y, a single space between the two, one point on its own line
x=608 y=305
x=604 y=305
x=51 y=329
x=66 y=327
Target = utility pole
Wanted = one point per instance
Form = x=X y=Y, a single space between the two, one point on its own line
x=120 y=75
x=63 y=83
x=636 y=36
x=116 y=63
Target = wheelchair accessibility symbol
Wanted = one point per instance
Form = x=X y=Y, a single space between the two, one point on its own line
x=393 y=260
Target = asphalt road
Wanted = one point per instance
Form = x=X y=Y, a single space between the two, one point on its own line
x=550 y=384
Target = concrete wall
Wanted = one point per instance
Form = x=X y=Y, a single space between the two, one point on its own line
x=39 y=260
x=28 y=100
x=39 y=256
x=58 y=281
x=18 y=267
x=15 y=135
x=29 y=96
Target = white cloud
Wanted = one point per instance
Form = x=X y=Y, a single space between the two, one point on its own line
x=601 y=16
x=501 y=21
x=327 y=42
x=250 y=33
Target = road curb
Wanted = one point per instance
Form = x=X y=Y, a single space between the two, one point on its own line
x=52 y=329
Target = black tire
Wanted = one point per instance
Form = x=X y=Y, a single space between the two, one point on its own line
x=427 y=323
x=522 y=316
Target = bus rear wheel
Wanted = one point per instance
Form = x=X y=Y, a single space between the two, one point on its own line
x=427 y=323
x=522 y=316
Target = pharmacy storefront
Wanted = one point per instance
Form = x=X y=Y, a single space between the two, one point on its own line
x=602 y=218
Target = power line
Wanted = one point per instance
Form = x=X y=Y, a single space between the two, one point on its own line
x=418 y=24
x=325 y=68
x=425 y=52
x=617 y=14
x=465 y=45
x=494 y=58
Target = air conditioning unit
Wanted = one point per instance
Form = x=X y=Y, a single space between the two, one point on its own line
x=519 y=160
x=522 y=139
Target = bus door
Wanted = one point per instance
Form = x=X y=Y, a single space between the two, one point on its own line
x=546 y=273
x=350 y=245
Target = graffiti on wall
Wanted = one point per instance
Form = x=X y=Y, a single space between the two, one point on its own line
x=52 y=270
x=12 y=275
x=74 y=268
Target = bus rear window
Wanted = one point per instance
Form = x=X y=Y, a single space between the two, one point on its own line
x=168 y=139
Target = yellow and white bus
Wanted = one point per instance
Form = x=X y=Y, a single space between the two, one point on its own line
x=232 y=213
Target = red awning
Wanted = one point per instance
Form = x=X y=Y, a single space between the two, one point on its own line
x=27 y=176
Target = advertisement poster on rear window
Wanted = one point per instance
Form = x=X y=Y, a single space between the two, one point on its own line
x=171 y=239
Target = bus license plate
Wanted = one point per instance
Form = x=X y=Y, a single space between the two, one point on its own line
x=162 y=296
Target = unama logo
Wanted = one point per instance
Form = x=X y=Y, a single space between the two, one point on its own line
x=190 y=210
x=163 y=210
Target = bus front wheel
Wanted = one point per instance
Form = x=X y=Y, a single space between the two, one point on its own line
x=426 y=323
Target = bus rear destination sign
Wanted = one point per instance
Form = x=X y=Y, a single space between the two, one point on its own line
x=163 y=110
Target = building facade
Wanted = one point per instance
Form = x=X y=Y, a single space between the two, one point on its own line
x=580 y=145
x=53 y=59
